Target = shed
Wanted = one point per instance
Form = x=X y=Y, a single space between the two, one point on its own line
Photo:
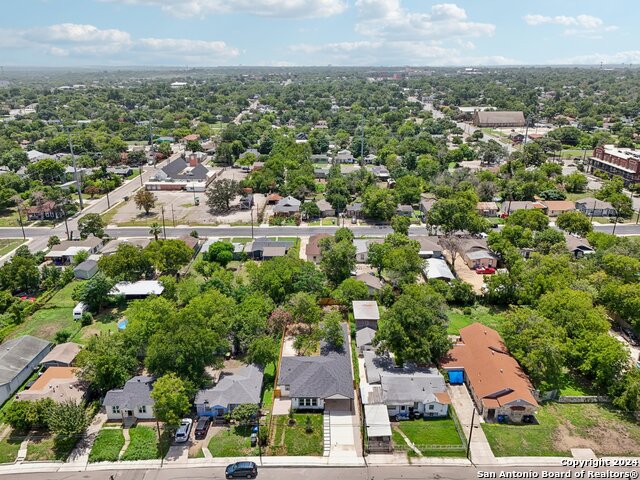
x=140 y=289
x=378 y=428
x=366 y=313
x=62 y=355
x=86 y=270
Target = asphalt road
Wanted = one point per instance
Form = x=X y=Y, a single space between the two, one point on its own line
x=361 y=473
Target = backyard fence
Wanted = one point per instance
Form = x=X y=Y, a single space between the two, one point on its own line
x=584 y=399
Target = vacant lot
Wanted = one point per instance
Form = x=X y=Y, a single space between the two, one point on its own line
x=294 y=440
x=565 y=426
x=431 y=437
x=50 y=447
x=232 y=442
x=458 y=319
x=107 y=446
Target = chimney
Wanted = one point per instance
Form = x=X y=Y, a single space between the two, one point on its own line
x=193 y=160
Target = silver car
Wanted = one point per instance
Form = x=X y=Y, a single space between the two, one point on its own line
x=182 y=434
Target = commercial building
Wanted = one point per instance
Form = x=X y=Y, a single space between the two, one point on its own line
x=621 y=162
x=499 y=119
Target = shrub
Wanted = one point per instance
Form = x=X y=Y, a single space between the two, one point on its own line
x=467 y=310
x=62 y=336
x=87 y=319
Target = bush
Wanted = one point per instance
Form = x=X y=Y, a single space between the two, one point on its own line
x=25 y=415
x=87 y=319
x=62 y=336
x=467 y=310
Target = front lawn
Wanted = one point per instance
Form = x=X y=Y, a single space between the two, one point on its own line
x=8 y=244
x=564 y=426
x=232 y=442
x=479 y=313
x=294 y=440
x=437 y=432
x=107 y=446
x=9 y=448
x=50 y=447
x=143 y=445
x=267 y=386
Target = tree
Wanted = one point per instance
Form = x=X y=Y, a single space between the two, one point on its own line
x=91 y=224
x=332 y=332
x=220 y=252
x=279 y=320
x=48 y=171
x=379 y=204
x=193 y=146
x=25 y=415
x=220 y=194
x=309 y=210
x=145 y=200
x=574 y=222
x=80 y=257
x=338 y=259
x=575 y=182
x=414 y=328
x=344 y=233
x=107 y=362
x=129 y=263
x=245 y=414
x=304 y=308
x=68 y=418
x=171 y=401
x=95 y=291
x=533 y=219
x=403 y=264
x=400 y=224
x=408 y=189
x=263 y=350
x=376 y=255
x=53 y=241
x=155 y=230
x=168 y=256
x=349 y=290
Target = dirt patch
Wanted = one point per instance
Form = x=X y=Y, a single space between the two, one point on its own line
x=602 y=438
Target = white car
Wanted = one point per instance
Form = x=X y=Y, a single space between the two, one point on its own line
x=182 y=434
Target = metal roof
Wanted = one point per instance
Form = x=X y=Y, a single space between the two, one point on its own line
x=16 y=354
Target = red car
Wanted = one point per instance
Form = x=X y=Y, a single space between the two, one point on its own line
x=485 y=271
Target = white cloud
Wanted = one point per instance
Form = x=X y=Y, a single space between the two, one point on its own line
x=580 y=25
x=190 y=47
x=73 y=32
x=617 y=58
x=263 y=8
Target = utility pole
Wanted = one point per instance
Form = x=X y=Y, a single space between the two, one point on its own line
x=159 y=437
x=108 y=202
x=141 y=176
x=164 y=228
x=473 y=417
x=362 y=144
x=24 y=237
x=615 y=224
x=173 y=217
x=251 y=210
x=75 y=168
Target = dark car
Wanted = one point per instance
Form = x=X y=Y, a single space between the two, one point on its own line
x=202 y=427
x=241 y=470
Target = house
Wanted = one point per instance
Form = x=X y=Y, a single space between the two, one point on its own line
x=404 y=210
x=429 y=247
x=362 y=249
x=112 y=247
x=273 y=198
x=318 y=382
x=312 y=250
x=138 y=290
x=85 y=270
x=425 y=206
x=63 y=253
x=19 y=358
x=553 y=208
x=578 y=247
x=272 y=252
x=35 y=156
x=60 y=384
x=191 y=242
x=511 y=206
x=366 y=314
x=62 y=355
x=181 y=174
x=354 y=210
x=407 y=391
x=343 y=156
x=364 y=339
x=373 y=283
x=287 y=206
x=378 y=427
x=235 y=387
x=319 y=158
x=381 y=172
x=46 y=211
x=194 y=137
x=499 y=119
x=256 y=249
x=497 y=384
x=326 y=210
x=476 y=253
x=437 y=269
x=592 y=207
x=487 y=209
x=320 y=173
x=371 y=158
x=122 y=170
x=132 y=402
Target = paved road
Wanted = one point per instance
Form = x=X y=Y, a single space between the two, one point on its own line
x=361 y=473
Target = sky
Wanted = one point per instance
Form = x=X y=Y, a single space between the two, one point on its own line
x=196 y=33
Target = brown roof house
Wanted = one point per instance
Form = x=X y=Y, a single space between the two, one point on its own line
x=326 y=210
x=60 y=384
x=556 y=207
x=476 y=253
x=578 y=247
x=373 y=283
x=313 y=248
x=487 y=209
x=46 y=211
x=498 y=386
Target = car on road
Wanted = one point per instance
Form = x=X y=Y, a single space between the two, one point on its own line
x=182 y=434
x=241 y=470
x=202 y=427
x=485 y=271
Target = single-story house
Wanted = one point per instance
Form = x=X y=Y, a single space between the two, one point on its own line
x=122 y=170
x=181 y=174
x=60 y=384
x=404 y=210
x=366 y=313
x=326 y=210
x=371 y=158
x=272 y=252
x=320 y=173
x=287 y=206
x=429 y=247
x=437 y=269
x=46 y=211
x=497 y=384
x=319 y=158
x=132 y=402
x=380 y=172
x=137 y=290
x=378 y=427
x=319 y=382
x=373 y=283
x=425 y=206
x=592 y=207
x=362 y=249
x=273 y=198
x=406 y=391
x=499 y=119
x=553 y=208
x=578 y=247
x=364 y=339
x=19 y=358
x=487 y=209
x=112 y=247
x=63 y=253
x=62 y=355
x=476 y=253
x=509 y=207
x=191 y=242
x=312 y=250
x=256 y=249
x=85 y=270
x=344 y=156
x=354 y=210
x=235 y=387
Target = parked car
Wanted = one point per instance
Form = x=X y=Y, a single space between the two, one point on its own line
x=202 y=427
x=485 y=271
x=241 y=470
x=182 y=434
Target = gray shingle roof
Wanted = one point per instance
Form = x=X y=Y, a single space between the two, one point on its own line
x=364 y=336
x=137 y=391
x=235 y=388
x=16 y=354
x=259 y=244
x=319 y=376
x=176 y=170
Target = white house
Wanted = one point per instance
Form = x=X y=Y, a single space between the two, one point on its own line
x=132 y=402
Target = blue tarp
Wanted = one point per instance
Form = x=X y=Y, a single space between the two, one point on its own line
x=456 y=377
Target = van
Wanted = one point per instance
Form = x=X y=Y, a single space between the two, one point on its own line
x=79 y=310
x=202 y=427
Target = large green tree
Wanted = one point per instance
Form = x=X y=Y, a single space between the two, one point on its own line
x=171 y=401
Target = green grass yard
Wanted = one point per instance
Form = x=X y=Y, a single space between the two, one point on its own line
x=479 y=313
x=439 y=433
x=9 y=244
x=50 y=447
x=232 y=442
x=9 y=448
x=143 y=445
x=107 y=446
x=294 y=440
x=565 y=426
x=267 y=386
